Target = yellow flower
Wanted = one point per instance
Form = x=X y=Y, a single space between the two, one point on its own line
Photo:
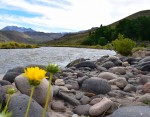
x=34 y=75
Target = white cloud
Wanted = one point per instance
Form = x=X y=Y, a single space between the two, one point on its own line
x=72 y=14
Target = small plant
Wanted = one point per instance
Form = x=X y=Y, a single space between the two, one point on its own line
x=34 y=75
x=123 y=45
x=52 y=68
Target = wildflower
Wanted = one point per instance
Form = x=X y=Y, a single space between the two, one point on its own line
x=52 y=68
x=35 y=76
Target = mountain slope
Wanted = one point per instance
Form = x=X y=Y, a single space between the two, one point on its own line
x=16 y=28
x=77 y=38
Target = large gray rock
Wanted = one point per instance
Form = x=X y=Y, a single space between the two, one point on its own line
x=107 y=76
x=108 y=64
x=82 y=109
x=40 y=92
x=10 y=76
x=86 y=64
x=18 y=105
x=132 y=111
x=144 y=98
x=120 y=70
x=100 y=107
x=145 y=59
x=96 y=85
x=2 y=96
x=75 y=62
x=18 y=69
x=144 y=79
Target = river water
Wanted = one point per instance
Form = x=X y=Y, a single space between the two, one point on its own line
x=10 y=58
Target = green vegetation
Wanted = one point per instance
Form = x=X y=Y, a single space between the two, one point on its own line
x=123 y=45
x=138 y=48
x=14 y=45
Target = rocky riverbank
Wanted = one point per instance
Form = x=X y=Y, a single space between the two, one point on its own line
x=112 y=86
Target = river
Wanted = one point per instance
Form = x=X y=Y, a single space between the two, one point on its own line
x=10 y=58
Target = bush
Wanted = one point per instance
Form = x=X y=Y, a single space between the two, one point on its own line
x=123 y=45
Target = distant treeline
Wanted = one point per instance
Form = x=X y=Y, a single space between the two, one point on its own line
x=136 y=29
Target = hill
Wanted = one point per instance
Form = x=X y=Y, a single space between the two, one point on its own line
x=77 y=38
x=18 y=29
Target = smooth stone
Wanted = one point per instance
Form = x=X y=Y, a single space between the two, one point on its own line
x=85 y=100
x=95 y=101
x=79 y=95
x=40 y=92
x=146 y=88
x=18 y=69
x=72 y=82
x=144 y=79
x=58 y=106
x=132 y=111
x=107 y=76
x=4 y=82
x=18 y=104
x=75 y=62
x=144 y=98
x=119 y=82
x=59 y=82
x=82 y=110
x=69 y=97
x=96 y=85
x=108 y=64
x=120 y=70
x=10 y=76
x=100 y=107
x=129 y=88
x=2 y=96
x=86 y=64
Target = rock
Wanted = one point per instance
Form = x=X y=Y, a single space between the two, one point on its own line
x=129 y=88
x=2 y=96
x=131 y=60
x=120 y=82
x=120 y=70
x=79 y=95
x=59 y=82
x=86 y=64
x=146 y=59
x=58 y=106
x=96 y=85
x=107 y=76
x=113 y=58
x=132 y=111
x=69 y=97
x=101 y=69
x=100 y=107
x=108 y=64
x=144 y=98
x=72 y=82
x=95 y=101
x=10 y=76
x=81 y=79
x=84 y=100
x=75 y=62
x=144 y=79
x=139 y=53
x=4 y=82
x=146 y=88
x=146 y=67
x=19 y=70
x=40 y=92
x=82 y=110
x=18 y=104
x=118 y=63
x=6 y=87
x=125 y=64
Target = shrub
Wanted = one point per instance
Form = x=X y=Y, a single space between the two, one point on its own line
x=123 y=45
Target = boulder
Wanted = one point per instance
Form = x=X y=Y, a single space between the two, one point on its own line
x=107 y=76
x=17 y=69
x=100 y=107
x=18 y=104
x=86 y=64
x=132 y=111
x=75 y=62
x=96 y=85
x=40 y=92
x=10 y=76
x=144 y=98
x=4 y=82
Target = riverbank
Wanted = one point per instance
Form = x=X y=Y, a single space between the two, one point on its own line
x=112 y=86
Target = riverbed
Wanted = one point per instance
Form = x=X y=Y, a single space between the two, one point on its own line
x=10 y=58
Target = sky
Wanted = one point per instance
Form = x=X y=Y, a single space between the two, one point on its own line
x=66 y=15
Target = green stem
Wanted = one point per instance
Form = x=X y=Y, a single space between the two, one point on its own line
x=5 y=109
x=48 y=95
x=31 y=94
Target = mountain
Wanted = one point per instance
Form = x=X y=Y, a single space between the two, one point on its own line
x=78 y=38
x=18 y=29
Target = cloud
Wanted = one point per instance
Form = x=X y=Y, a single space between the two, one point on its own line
x=73 y=15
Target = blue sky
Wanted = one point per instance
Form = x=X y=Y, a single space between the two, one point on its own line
x=66 y=15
